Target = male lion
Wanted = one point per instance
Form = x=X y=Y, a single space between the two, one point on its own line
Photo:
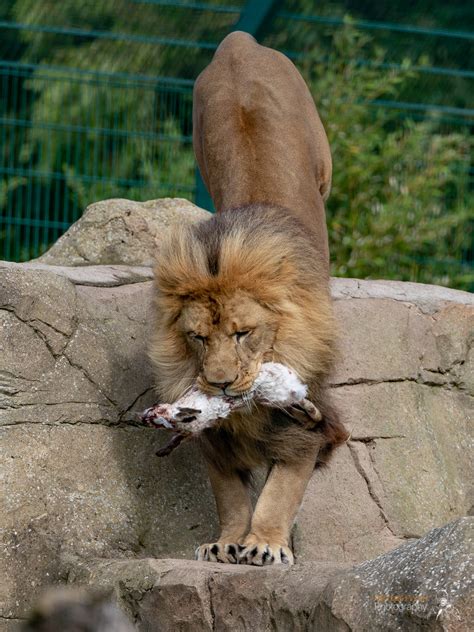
x=251 y=285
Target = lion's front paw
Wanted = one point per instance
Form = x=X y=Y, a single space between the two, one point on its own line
x=227 y=553
x=265 y=553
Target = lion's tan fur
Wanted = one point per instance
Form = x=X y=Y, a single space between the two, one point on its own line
x=265 y=255
x=258 y=137
x=259 y=265
x=271 y=268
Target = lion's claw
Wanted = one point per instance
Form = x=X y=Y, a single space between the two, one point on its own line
x=226 y=553
x=265 y=554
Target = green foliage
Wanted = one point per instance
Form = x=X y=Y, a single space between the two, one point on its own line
x=95 y=120
x=400 y=205
x=92 y=127
x=128 y=137
x=148 y=53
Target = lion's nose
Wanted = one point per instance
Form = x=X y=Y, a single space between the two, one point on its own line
x=222 y=385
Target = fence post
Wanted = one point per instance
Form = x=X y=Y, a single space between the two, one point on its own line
x=203 y=199
x=256 y=17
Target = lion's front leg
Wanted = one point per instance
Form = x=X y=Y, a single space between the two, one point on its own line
x=268 y=539
x=234 y=510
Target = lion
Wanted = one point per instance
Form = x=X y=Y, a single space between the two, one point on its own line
x=251 y=285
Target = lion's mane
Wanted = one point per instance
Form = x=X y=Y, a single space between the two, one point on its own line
x=266 y=252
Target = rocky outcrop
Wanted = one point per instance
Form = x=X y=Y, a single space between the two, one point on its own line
x=121 y=231
x=423 y=585
x=83 y=480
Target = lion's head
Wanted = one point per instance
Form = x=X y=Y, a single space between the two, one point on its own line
x=233 y=292
x=230 y=336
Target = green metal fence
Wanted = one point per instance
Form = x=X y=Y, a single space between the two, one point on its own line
x=54 y=166
x=96 y=98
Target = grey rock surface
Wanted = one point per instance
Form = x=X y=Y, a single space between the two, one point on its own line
x=427 y=584
x=92 y=491
x=428 y=298
x=82 y=480
x=121 y=231
x=167 y=595
x=404 y=386
x=423 y=585
x=95 y=275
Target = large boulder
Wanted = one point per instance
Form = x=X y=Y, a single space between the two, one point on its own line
x=423 y=585
x=121 y=231
x=82 y=478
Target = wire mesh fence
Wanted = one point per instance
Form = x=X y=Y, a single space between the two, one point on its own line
x=54 y=166
x=96 y=101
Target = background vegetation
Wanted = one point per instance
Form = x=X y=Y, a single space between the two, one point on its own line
x=401 y=206
x=93 y=121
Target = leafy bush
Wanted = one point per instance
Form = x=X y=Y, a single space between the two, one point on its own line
x=400 y=205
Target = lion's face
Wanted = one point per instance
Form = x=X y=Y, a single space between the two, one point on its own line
x=229 y=337
x=233 y=292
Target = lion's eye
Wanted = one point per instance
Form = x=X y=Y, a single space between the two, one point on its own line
x=239 y=335
x=197 y=337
